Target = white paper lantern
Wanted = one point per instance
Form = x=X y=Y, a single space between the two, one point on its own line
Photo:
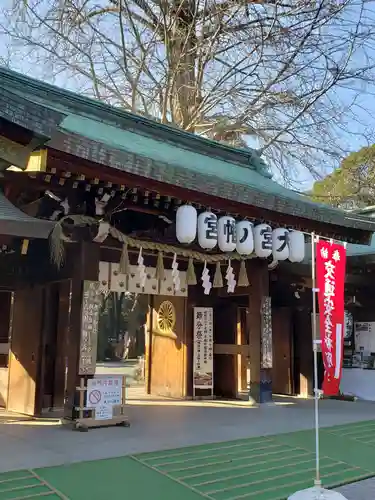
x=263 y=240
x=244 y=237
x=207 y=230
x=226 y=233
x=186 y=224
x=280 y=248
x=296 y=246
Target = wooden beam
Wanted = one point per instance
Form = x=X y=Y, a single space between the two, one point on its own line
x=232 y=349
x=22 y=181
x=37 y=162
x=301 y=274
x=13 y=153
x=128 y=205
x=15 y=132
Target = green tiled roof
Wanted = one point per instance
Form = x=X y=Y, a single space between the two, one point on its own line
x=172 y=154
x=361 y=250
x=351 y=250
x=14 y=222
x=66 y=102
x=109 y=136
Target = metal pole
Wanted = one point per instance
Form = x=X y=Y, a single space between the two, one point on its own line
x=317 y=481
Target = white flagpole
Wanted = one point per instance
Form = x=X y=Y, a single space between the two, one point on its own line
x=317 y=482
x=317 y=492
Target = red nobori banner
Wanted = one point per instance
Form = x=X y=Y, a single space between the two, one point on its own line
x=330 y=273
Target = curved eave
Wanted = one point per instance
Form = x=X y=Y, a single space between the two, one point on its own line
x=14 y=222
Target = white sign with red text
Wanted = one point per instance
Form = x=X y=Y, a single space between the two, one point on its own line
x=103 y=393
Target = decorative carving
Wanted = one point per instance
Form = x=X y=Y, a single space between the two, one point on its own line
x=166 y=317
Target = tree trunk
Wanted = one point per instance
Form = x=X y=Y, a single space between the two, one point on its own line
x=182 y=60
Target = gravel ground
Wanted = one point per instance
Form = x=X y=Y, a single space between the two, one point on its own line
x=364 y=490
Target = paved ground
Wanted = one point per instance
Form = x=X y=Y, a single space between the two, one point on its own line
x=158 y=426
x=364 y=490
x=260 y=468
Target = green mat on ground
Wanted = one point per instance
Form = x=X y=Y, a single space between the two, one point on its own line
x=270 y=467
x=261 y=468
x=115 y=478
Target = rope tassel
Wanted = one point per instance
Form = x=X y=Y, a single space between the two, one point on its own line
x=243 y=279
x=191 y=278
x=218 y=278
x=124 y=267
x=160 y=272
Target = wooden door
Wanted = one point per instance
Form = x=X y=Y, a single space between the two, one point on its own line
x=225 y=349
x=62 y=344
x=5 y=301
x=303 y=353
x=49 y=341
x=282 y=351
x=167 y=350
x=243 y=372
x=24 y=360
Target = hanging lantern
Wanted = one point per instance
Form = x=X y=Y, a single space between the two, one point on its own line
x=207 y=230
x=244 y=237
x=186 y=224
x=263 y=240
x=296 y=246
x=226 y=233
x=280 y=248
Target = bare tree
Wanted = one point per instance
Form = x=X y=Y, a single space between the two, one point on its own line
x=287 y=73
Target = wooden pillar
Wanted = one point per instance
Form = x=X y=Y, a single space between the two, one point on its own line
x=83 y=260
x=62 y=339
x=260 y=377
x=5 y=310
x=304 y=352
